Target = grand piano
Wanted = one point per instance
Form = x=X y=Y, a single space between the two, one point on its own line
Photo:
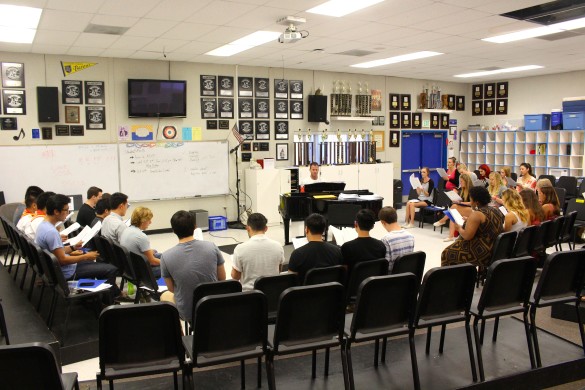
x=323 y=198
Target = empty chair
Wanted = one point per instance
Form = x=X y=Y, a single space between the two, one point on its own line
x=552 y=178
x=561 y=194
x=377 y=317
x=540 y=239
x=144 y=276
x=151 y=346
x=272 y=287
x=503 y=248
x=506 y=291
x=567 y=230
x=411 y=262
x=554 y=232
x=561 y=281
x=242 y=317
x=445 y=297
x=579 y=207
x=334 y=273
x=581 y=189
x=33 y=366
x=525 y=241
x=361 y=271
x=211 y=288
x=442 y=202
x=569 y=183
x=319 y=325
x=433 y=209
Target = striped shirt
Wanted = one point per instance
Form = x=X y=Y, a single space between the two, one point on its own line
x=398 y=243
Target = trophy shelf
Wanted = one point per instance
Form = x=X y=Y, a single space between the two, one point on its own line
x=352 y=118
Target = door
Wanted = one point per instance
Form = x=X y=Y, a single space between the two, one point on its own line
x=422 y=149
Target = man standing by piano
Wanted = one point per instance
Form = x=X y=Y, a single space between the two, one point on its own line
x=316 y=253
x=315 y=177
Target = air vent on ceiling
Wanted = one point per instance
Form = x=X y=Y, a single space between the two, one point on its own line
x=559 y=36
x=108 y=30
x=551 y=12
x=356 y=53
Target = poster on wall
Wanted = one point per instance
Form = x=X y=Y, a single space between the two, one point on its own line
x=489 y=90
x=280 y=130
x=226 y=108
x=281 y=109
x=246 y=108
x=280 y=89
x=262 y=108
x=405 y=120
x=14 y=102
x=245 y=86
x=376 y=100
x=262 y=130
x=262 y=87
x=226 y=85
x=296 y=89
x=460 y=106
x=502 y=107
x=489 y=107
x=246 y=129
x=8 y=123
x=71 y=92
x=502 y=88
x=95 y=117
x=394 y=102
x=94 y=92
x=417 y=120
x=477 y=108
x=477 y=91
x=296 y=110
x=208 y=85
x=12 y=75
x=208 y=108
x=405 y=102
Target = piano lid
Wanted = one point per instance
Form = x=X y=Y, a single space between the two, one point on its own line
x=324 y=187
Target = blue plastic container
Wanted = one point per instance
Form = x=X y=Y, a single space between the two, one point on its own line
x=556 y=120
x=217 y=223
x=574 y=106
x=536 y=122
x=574 y=120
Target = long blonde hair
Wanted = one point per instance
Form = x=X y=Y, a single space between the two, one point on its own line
x=464 y=193
x=513 y=202
x=507 y=170
x=496 y=182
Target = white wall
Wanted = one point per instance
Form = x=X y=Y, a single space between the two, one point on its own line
x=530 y=95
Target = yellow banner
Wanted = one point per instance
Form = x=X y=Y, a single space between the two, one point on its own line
x=72 y=67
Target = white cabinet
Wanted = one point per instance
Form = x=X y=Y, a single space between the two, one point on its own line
x=345 y=173
x=378 y=178
x=263 y=187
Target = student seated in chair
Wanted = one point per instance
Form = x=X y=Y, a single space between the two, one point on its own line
x=397 y=241
x=86 y=212
x=113 y=225
x=364 y=247
x=134 y=239
x=316 y=253
x=188 y=264
x=259 y=256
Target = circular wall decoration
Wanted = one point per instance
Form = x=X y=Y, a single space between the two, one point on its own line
x=170 y=132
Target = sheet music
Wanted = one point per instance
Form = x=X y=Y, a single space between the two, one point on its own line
x=198 y=234
x=454 y=196
x=511 y=182
x=343 y=235
x=503 y=210
x=70 y=229
x=85 y=235
x=441 y=172
x=455 y=216
x=299 y=242
x=415 y=182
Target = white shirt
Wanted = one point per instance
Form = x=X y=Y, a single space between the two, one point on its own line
x=309 y=180
x=259 y=256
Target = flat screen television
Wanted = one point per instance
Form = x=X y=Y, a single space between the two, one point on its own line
x=157 y=98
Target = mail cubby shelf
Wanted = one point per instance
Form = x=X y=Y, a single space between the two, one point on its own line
x=548 y=151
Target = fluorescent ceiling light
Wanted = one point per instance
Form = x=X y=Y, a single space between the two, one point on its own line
x=249 y=41
x=342 y=7
x=393 y=60
x=498 y=71
x=18 y=24
x=538 y=31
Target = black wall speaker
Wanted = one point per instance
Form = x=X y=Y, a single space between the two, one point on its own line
x=318 y=108
x=48 y=104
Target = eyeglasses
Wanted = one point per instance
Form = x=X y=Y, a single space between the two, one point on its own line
x=65 y=210
x=128 y=204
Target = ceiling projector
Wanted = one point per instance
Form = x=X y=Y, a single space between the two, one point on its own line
x=291 y=35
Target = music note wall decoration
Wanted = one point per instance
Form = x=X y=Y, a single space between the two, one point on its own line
x=17 y=137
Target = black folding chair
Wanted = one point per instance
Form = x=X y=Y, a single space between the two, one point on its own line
x=145 y=277
x=503 y=248
x=554 y=233
x=203 y=290
x=319 y=325
x=3 y=328
x=33 y=366
x=552 y=178
x=334 y=273
x=272 y=287
x=525 y=241
x=561 y=281
x=445 y=297
x=411 y=262
x=242 y=334
x=152 y=347
x=569 y=183
x=377 y=317
x=561 y=195
x=361 y=271
x=567 y=230
x=506 y=291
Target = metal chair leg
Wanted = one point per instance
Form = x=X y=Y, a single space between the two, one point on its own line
x=535 y=336
x=314 y=364
x=528 y=338
x=470 y=348
x=428 y=346
x=495 y=335
x=442 y=343
x=242 y=374
x=478 y=348
x=413 y=361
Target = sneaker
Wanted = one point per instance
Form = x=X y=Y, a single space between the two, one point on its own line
x=409 y=226
x=438 y=223
x=449 y=239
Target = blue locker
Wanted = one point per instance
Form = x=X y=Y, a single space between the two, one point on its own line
x=422 y=148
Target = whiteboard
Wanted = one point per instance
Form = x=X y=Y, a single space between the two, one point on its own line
x=64 y=169
x=168 y=170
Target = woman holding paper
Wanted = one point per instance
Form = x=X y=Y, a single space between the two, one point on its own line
x=496 y=188
x=452 y=177
x=506 y=173
x=424 y=197
x=461 y=203
x=484 y=174
x=482 y=227
x=530 y=200
x=517 y=217
x=526 y=179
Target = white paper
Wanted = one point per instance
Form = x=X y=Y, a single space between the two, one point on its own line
x=503 y=210
x=198 y=234
x=103 y=286
x=441 y=172
x=511 y=182
x=343 y=196
x=371 y=197
x=70 y=229
x=453 y=196
x=86 y=234
x=269 y=163
x=128 y=222
x=478 y=183
x=343 y=235
x=299 y=242
x=457 y=217
x=415 y=182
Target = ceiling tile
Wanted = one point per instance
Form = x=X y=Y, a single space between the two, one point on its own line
x=150 y=28
x=130 y=43
x=191 y=31
x=167 y=45
x=137 y=8
x=220 y=12
x=75 y=5
x=84 y=51
x=176 y=9
x=64 y=20
x=50 y=37
x=95 y=40
x=46 y=48
x=112 y=20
